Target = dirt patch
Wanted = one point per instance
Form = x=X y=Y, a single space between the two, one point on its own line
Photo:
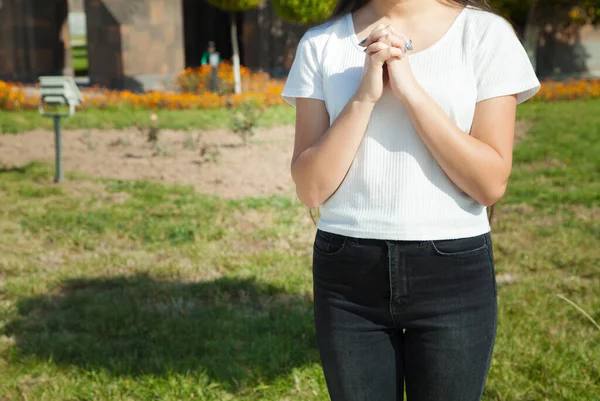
x=507 y=278
x=585 y=213
x=522 y=128
x=260 y=168
x=214 y=162
x=518 y=209
x=91 y=189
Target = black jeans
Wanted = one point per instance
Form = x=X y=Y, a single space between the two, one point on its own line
x=390 y=313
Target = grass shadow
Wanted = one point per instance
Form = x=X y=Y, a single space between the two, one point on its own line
x=238 y=332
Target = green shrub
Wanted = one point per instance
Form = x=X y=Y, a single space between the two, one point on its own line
x=235 y=5
x=244 y=121
x=304 y=11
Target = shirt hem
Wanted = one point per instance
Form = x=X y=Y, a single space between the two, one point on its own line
x=413 y=235
x=291 y=94
x=524 y=91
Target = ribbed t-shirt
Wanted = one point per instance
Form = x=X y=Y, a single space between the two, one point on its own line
x=395 y=189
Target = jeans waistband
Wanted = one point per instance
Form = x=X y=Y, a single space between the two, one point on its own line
x=378 y=241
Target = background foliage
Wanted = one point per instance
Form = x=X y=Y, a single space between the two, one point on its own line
x=304 y=11
x=235 y=5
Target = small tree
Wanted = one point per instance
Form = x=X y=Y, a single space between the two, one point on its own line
x=245 y=120
x=304 y=11
x=233 y=6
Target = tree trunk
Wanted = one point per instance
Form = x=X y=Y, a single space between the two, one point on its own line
x=531 y=35
x=236 y=55
x=68 y=55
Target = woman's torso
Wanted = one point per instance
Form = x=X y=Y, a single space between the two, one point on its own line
x=394 y=188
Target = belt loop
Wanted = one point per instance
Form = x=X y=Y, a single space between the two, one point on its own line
x=487 y=238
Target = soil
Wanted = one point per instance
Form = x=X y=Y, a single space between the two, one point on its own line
x=260 y=168
x=214 y=162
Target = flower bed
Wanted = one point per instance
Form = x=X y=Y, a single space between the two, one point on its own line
x=13 y=97
x=568 y=90
x=193 y=93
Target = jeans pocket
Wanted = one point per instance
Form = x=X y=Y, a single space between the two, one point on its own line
x=493 y=267
x=329 y=244
x=460 y=247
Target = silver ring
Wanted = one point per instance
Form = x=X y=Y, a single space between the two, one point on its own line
x=408 y=46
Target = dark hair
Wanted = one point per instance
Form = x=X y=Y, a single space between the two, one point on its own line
x=349 y=6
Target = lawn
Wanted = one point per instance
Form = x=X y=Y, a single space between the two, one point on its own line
x=13 y=122
x=80 y=60
x=117 y=290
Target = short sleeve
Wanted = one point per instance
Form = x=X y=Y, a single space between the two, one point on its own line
x=305 y=78
x=502 y=66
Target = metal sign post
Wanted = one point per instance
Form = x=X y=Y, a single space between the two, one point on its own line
x=56 y=92
x=57 y=142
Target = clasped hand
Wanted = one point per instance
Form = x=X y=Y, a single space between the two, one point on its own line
x=386 y=64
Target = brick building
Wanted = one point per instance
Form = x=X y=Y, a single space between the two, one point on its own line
x=141 y=44
x=136 y=44
x=32 y=38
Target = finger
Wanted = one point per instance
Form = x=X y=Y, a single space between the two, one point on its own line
x=388 y=54
x=396 y=53
x=406 y=43
x=375 y=47
x=393 y=40
x=396 y=43
x=390 y=35
x=394 y=31
x=381 y=56
x=377 y=33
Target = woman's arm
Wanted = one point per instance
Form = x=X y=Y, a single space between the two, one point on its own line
x=323 y=154
x=480 y=163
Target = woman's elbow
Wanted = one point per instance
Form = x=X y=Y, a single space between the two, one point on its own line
x=306 y=193
x=308 y=198
x=491 y=195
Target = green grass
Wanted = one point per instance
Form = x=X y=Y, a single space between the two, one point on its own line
x=119 y=118
x=116 y=290
x=80 y=60
x=564 y=166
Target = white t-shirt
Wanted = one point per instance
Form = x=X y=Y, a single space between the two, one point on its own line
x=395 y=189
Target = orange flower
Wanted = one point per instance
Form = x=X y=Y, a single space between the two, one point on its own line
x=193 y=92
x=568 y=90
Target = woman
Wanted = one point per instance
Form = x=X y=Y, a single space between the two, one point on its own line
x=405 y=117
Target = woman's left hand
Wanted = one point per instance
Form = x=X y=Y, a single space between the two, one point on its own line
x=401 y=78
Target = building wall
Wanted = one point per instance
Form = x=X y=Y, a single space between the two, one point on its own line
x=590 y=41
x=76 y=6
x=32 y=39
x=568 y=52
x=142 y=44
x=134 y=44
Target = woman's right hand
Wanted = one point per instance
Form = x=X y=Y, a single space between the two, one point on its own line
x=374 y=76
